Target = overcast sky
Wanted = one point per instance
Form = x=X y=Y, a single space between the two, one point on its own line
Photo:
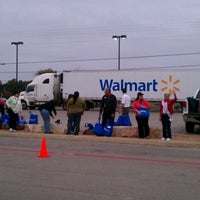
x=77 y=34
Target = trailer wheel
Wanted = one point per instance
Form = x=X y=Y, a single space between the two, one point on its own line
x=64 y=105
x=32 y=107
x=89 y=105
x=189 y=126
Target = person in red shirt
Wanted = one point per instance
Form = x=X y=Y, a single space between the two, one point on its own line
x=166 y=112
x=139 y=106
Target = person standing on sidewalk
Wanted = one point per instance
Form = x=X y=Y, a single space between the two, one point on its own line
x=14 y=107
x=75 y=109
x=166 y=112
x=108 y=107
x=141 y=108
x=47 y=110
x=125 y=103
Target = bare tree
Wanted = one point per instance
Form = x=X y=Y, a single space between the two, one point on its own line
x=43 y=71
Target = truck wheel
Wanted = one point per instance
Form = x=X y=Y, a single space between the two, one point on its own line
x=24 y=105
x=32 y=107
x=89 y=105
x=189 y=126
x=64 y=105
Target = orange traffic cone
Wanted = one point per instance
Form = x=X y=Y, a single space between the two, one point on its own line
x=43 y=151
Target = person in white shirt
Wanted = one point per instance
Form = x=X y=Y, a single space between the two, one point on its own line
x=125 y=103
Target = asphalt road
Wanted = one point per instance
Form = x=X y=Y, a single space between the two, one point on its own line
x=178 y=125
x=79 y=170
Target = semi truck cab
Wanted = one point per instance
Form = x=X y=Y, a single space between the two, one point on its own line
x=42 y=89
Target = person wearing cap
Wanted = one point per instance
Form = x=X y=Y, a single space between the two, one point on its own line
x=166 y=112
x=125 y=103
x=139 y=105
x=108 y=107
x=14 y=108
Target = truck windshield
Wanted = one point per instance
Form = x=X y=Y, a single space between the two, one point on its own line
x=30 y=88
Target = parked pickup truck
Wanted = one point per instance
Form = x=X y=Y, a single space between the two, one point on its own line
x=191 y=112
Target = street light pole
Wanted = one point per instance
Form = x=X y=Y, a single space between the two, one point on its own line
x=17 y=44
x=119 y=37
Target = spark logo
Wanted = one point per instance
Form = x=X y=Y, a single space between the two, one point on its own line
x=170 y=85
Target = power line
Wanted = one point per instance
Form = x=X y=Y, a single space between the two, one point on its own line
x=188 y=67
x=104 y=59
x=135 y=68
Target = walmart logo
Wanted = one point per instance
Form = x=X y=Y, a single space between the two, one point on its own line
x=170 y=85
x=130 y=85
x=152 y=85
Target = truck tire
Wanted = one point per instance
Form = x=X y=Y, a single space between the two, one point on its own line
x=64 y=105
x=89 y=105
x=189 y=126
x=24 y=105
x=32 y=107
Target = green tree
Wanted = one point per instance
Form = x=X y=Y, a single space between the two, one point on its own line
x=8 y=88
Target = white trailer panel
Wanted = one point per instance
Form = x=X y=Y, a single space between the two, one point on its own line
x=153 y=83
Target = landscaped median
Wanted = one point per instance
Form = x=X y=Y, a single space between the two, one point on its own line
x=178 y=140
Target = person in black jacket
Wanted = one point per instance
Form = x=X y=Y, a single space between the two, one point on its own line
x=108 y=107
x=46 y=110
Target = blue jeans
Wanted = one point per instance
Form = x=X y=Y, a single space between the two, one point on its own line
x=46 y=118
x=166 y=126
x=73 y=125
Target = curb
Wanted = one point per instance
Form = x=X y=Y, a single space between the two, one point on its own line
x=184 y=141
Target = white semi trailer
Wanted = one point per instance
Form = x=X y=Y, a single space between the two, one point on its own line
x=91 y=84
